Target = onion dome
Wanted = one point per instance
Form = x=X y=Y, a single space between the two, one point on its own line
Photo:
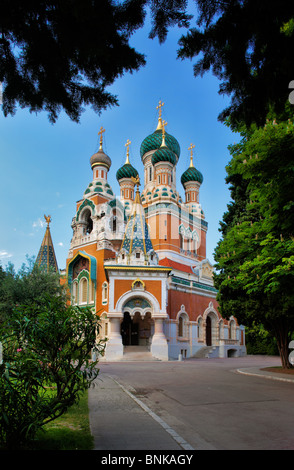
x=153 y=142
x=127 y=170
x=191 y=174
x=100 y=158
x=164 y=154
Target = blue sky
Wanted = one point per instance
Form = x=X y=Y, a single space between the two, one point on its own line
x=45 y=168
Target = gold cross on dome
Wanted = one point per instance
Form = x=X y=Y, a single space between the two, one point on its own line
x=160 y=104
x=101 y=133
x=128 y=150
x=192 y=146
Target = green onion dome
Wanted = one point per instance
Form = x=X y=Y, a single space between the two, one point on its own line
x=191 y=174
x=126 y=171
x=153 y=142
x=164 y=154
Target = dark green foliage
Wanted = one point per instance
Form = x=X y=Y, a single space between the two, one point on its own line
x=255 y=258
x=29 y=285
x=64 y=54
x=249 y=46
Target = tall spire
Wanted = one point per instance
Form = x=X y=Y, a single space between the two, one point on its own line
x=136 y=233
x=46 y=257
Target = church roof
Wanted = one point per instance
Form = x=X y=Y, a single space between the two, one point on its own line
x=136 y=233
x=46 y=257
x=192 y=174
x=175 y=265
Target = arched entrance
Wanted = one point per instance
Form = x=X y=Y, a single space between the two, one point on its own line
x=208 y=331
x=136 y=324
x=129 y=331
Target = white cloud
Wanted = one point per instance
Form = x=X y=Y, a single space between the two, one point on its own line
x=60 y=244
x=39 y=223
x=5 y=254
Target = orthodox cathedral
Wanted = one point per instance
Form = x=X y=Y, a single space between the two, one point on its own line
x=139 y=259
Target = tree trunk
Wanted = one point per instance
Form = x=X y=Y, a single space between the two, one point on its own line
x=282 y=337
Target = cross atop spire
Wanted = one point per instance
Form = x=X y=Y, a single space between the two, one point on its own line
x=128 y=150
x=160 y=105
x=192 y=146
x=101 y=136
x=164 y=123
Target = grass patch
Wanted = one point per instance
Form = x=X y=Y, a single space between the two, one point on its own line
x=69 y=432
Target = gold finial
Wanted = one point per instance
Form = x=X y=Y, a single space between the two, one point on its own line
x=128 y=145
x=163 y=144
x=100 y=133
x=136 y=181
x=160 y=104
x=192 y=146
x=48 y=219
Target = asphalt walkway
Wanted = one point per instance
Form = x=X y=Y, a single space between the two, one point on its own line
x=119 y=420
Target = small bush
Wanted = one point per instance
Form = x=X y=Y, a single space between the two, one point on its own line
x=46 y=350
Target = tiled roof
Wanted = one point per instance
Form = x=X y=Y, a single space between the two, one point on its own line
x=46 y=257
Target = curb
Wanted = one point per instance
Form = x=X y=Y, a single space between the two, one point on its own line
x=264 y=375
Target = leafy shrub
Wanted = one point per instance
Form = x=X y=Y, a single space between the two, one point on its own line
x=46 y=365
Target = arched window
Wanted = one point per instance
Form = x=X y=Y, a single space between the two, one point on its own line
x=83 y=290
x=183 y=325
x=87 y=219
x=104 y=293
x=232 y=330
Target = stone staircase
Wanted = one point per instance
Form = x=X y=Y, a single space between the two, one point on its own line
x=137 y=353
x=206 y=352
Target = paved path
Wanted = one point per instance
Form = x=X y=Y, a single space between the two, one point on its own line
x=151 y=406
x=120 y=421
